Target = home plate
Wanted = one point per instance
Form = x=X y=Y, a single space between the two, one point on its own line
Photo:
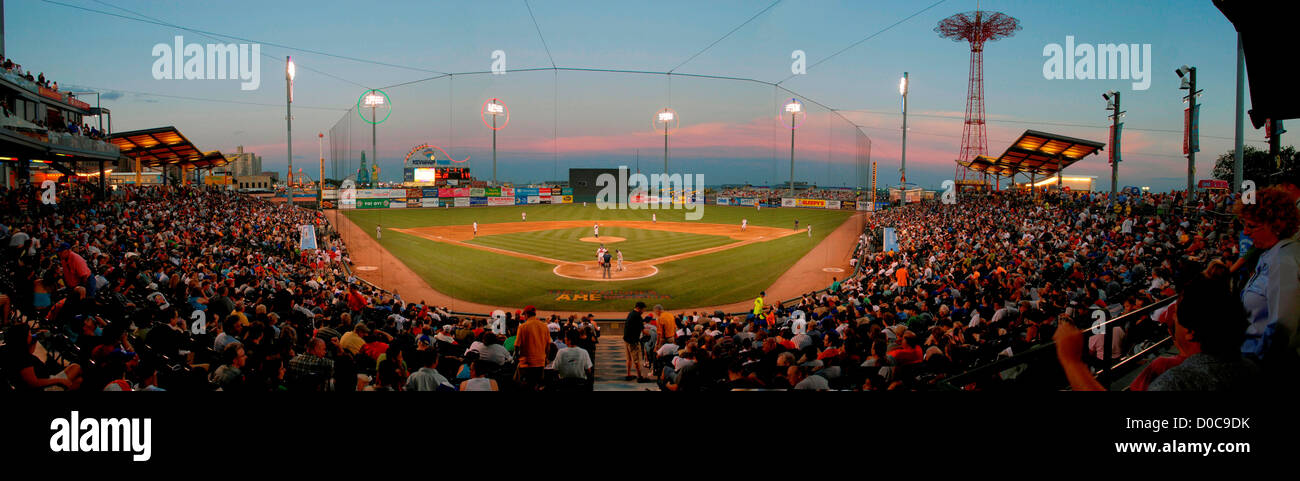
x=367 y=268
x=832 y=269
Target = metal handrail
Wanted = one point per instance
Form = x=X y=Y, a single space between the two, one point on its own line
x=955 y=382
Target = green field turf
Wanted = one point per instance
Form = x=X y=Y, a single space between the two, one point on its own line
x=474 y=275
x=565 y=244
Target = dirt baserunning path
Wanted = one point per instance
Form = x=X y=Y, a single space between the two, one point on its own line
x=806 y=275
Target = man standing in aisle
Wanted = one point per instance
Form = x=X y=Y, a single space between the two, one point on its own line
x=632 y=328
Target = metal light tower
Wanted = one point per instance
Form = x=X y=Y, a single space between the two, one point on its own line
x=495 y=108
x=669 y=119
x=976 y=28
x=289 y=72
x=792 y=115
x=1112 y=103
x=902 y=90
x=320 y=190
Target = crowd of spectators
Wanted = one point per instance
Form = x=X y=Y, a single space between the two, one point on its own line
x=766 y=193
x=190 y=288
x=997 y=275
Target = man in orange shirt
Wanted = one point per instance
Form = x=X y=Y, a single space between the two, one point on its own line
x=531 y=342
x=901 y=276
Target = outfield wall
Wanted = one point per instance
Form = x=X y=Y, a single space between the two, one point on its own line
x=419 y=197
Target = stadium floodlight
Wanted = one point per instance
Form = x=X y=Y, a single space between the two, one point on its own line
x=495 y=108
x=902 y=85
x=902 y=164
x=373 y=100
x=792 y=115
x=668 y=118
x=290 y=71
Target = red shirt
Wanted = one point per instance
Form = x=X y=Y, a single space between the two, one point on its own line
x=906 y=355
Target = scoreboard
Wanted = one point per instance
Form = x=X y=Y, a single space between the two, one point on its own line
x=430 y=175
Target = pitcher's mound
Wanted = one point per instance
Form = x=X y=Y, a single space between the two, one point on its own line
x=609 y=239
x=589 y=271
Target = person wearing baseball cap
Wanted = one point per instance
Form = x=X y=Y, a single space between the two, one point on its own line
x=531 y=342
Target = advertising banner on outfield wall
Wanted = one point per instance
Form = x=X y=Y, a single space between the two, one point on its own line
x=414 y=193
x=788 y=202
x=746 y=202
x=381 y=193
x=331 y=194
x=477 y=192
x=526 y=191
x=508 y=192
x=534 y=199
x=429 y=192
x=566 y=191
x=544 y=191
x=461 y=202
x=413 y=203
x=849 y=205
x=396 y=204
x=445 y=192
x=567 y=199
x=478 y=201
x=501 y=200
x=429 y=202
x=724 y=200
x=832 y=204
x=811 y=203
x=492 y=192
x=557 y=199
x=372 y=203
x=460 y=192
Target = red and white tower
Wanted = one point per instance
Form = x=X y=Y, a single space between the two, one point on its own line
x=976 y=28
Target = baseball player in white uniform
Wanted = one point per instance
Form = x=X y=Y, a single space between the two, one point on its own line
x=596 y=229
x=654 y=218
x=620 y=259
x=809 y=231
x=524 y=216
x=476 y=228
x=743 y=223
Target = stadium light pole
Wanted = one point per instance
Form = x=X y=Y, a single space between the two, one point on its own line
x=795 y=110
x=495 y=108
x=1188 y=74
x=289 y=73
x=668 y=117
x=1238 y=155
x=320 y=188
x=1112 y=103
x=902 y=90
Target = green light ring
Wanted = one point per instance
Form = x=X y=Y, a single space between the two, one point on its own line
x=386 y=99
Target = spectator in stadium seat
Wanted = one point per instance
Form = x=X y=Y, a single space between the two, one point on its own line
x=355 y=339
x=229 y=377
x=531 y=344
x=427 y=378
x=311 y=370
x=27 y=372
x=573 y=365
x=478 y=380
x=1272 y=295
x=1208 y=330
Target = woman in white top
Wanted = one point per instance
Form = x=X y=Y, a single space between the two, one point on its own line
x=477 y=381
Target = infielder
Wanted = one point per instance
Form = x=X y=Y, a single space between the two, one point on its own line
x=796 y=224
x=620 y=260
x=476 y=228
x=524 y=216
x=743 y=223
x=379 y=231
x=596 y=229
x=809 y=231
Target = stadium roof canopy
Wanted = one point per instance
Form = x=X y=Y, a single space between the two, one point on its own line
x=164 y=146
x=1036 y=152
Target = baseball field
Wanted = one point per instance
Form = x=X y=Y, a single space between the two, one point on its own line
x=549 y=259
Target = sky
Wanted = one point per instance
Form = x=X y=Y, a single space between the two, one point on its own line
x=729 y=130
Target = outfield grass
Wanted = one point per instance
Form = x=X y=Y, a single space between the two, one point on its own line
x=565 y=244
x=728 y=276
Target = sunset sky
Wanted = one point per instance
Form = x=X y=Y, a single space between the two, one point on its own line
x=729 y=130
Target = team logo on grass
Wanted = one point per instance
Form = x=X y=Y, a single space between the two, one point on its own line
x=654 y=191
x=598 y=296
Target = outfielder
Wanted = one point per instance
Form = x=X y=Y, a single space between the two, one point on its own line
x=809 y=231
x=524 y=216
x=379 y=231
x=475 y=228
x=654 y=218
x=596 y=229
